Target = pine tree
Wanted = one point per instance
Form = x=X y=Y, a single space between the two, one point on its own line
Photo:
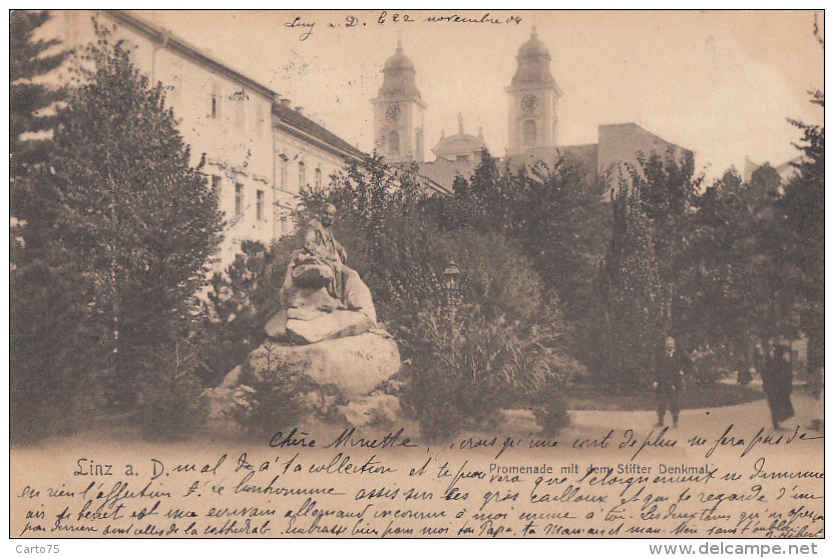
x=41 y=301
x=30 y=59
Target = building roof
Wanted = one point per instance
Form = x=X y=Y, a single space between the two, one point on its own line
x=443 y=172
x=178 y=45
x=583 y=155
x=298 y=125
x=290 y=120
x=459 y=144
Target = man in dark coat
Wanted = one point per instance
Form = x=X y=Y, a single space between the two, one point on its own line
x=777 y=381
x=669 y=372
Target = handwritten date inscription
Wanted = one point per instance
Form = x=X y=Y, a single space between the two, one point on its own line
x=306 y=26
x=363 y=484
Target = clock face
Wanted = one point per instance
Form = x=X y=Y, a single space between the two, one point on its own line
x=529 y=103
x=393 y=113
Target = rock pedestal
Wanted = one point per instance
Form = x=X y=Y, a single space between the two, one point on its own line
x=355 y=365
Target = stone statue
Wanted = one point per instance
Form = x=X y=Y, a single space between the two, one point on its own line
x=323 y=297
x=322 y=260
x=324 y=331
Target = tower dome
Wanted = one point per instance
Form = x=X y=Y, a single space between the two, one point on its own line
x=534 y=100
x=460 y=147
x=533 y=64
x=398 y=81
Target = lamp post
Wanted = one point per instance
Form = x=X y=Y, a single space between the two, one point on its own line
x=451 y=282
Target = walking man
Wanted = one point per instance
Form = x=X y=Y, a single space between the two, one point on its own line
x=669 y=372
x=777 y=381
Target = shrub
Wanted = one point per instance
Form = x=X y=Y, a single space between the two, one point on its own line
x=169 y=390
x=171 y=407
x=239 y=304
x=269 y=402
x=280 y=397
x=550 y=410
x=467 y=367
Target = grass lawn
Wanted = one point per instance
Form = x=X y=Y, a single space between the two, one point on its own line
x=588 y=398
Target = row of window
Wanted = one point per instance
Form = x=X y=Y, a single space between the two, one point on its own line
x=284 y=165
x=238 y=102
x=240 y=201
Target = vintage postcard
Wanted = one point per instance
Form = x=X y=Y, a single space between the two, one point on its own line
x=418 y=274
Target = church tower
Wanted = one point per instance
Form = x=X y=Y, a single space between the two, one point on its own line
x=398 y=112
x=534 y=99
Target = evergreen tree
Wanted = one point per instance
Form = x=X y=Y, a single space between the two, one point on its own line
x=136 y=213
x=42 y=305
x=803 y=210
x=29 y=60
x=110 y=262
x=631 y=311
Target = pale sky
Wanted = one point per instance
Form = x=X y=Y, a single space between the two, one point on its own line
x=719 y=83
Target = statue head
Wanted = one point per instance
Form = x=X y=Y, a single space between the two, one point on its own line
x=328 y=214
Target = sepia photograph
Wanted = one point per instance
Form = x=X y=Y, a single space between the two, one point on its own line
x=417 y=274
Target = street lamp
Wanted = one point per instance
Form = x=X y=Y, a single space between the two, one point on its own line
x=451 y=276
x=451 y=282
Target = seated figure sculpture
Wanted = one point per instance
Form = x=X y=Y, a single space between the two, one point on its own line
x=322 y=298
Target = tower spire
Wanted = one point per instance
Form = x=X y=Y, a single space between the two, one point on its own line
x=398 y=110
x=534 y=95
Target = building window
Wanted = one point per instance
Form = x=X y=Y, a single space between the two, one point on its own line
x=393 y=142
x=258 y=120
x=302 y=175
x=529 y=131
x=238 y=199
x=318 y=178
x=283 y=165
x=216 y=101
x=176 y=83
x=240 y=115
x=259 y=205
x=215 y=185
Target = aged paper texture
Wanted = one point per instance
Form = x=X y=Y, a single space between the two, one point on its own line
x=304 y=91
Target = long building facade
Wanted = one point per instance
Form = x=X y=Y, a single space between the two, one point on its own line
x=259 y=149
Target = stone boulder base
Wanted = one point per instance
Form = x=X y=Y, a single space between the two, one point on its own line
x=355 y=365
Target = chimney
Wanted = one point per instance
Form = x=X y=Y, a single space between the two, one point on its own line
x=285 y=103
x=299 y=110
